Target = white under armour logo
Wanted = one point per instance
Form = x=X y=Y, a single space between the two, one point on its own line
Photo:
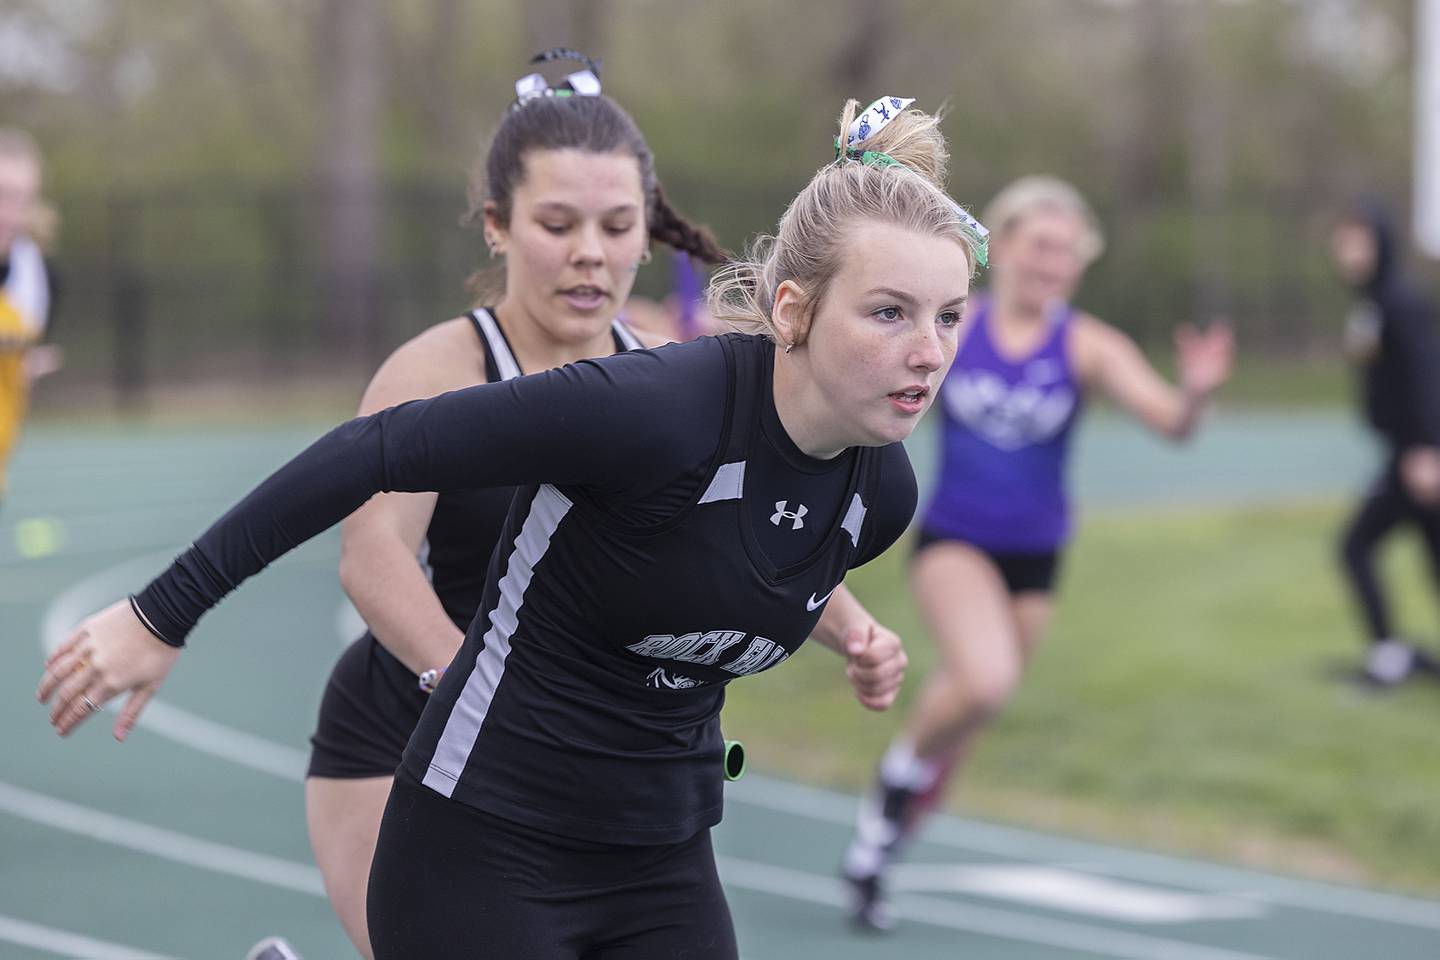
x=782 y=514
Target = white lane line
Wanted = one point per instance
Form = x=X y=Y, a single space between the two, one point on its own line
x=67 y=944
x=133 y=835
x=1014 y=843
x=1069 y=891
x=227 y=743
x=1003 y=924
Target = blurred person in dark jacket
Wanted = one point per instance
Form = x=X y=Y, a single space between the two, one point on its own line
x=1391 y=337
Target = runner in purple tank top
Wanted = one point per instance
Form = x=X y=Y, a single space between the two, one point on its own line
x=992 y=535
x=1006 y=432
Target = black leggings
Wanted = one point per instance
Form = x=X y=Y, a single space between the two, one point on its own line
x=450 y=881
x=1387 y=506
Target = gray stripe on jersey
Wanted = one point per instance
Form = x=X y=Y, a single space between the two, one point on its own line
x=626 y=337
x=468 y=715
x=728 y=484
x=499 y=349
x=854 y=519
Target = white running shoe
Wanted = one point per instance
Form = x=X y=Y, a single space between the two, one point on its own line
x=1389 y=662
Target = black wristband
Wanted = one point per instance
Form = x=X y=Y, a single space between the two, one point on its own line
x=145 y=621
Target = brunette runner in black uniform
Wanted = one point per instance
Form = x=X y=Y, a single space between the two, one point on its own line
x=686 y=517
x=373 y=698
x=569 y=199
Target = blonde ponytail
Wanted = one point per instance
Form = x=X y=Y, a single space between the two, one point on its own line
x=895 y=174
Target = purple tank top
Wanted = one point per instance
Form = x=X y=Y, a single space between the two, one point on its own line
x=1004 y=443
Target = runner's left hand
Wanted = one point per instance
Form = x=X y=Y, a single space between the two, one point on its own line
x=875 y=664
x=108 y=655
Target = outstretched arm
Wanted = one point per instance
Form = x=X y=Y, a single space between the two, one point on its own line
x=1108 y=359
x=588 y=425
x=133 y=645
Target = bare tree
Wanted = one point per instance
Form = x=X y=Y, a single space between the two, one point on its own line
x=349 y=40
x=1207 y=150
x=442 y=48
x=564 y=23
x=858 y=62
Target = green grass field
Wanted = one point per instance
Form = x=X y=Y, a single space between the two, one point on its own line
x=1186 y=699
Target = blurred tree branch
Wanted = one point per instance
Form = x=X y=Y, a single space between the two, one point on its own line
x=857 y=66
x=349 y=34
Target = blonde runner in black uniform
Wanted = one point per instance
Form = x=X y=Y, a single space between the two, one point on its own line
x=568 y=197
x=686 y=517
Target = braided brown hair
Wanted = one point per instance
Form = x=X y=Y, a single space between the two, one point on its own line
x=672 y=229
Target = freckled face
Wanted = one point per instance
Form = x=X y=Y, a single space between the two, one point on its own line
x=885 y=331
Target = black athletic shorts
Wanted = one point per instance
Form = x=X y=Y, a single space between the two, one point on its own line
x=450 y=881
x=1022 y=572
x=370 y=707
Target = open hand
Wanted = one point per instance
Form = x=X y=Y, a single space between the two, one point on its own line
x=1205 y=358
x=109 y=654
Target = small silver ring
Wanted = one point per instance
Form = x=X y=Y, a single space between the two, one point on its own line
x=90 y=704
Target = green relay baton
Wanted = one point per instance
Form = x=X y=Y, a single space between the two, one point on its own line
x=734 y=759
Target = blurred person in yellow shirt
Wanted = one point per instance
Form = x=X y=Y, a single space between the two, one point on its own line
x=26 y=285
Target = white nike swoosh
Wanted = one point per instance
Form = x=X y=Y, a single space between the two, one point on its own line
x=812 y=604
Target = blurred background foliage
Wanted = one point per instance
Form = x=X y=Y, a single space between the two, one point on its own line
x=271 y=188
